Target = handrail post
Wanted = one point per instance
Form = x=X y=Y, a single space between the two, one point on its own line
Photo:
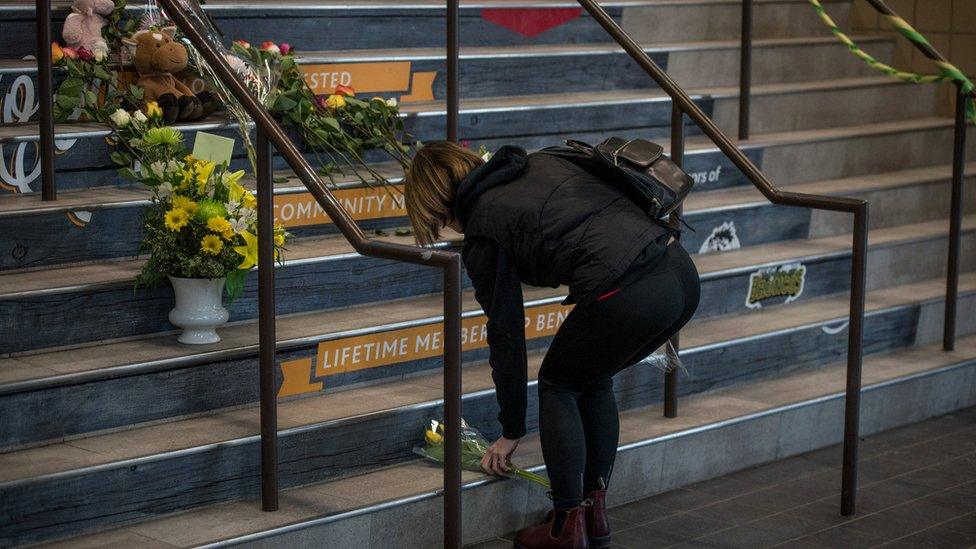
x=677 y=156
x=45 y=120
x=852 y=400
x=745 y=70
x=453 y=54
x=266 y=324
x=955 y=222
x=452 y=404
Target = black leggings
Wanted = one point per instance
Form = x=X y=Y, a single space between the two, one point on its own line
x=578 y=421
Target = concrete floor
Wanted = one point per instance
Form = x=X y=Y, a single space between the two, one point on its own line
x=917 y=489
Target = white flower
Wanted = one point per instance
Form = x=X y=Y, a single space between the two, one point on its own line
x=120 y=118
x=164 y=190
x=236 y=63
x=172 y=166
x=100 y=55
x=137 y=114
x=486 y=156
x=238 y=224
x=391 y=102
x=157 y=169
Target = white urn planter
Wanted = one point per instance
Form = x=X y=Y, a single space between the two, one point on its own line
x=199 y=309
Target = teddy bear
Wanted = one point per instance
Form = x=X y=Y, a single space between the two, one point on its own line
x=83 y=26
x=157 y=58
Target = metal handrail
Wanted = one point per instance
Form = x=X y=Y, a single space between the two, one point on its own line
x=859 y=208
x=271 y=133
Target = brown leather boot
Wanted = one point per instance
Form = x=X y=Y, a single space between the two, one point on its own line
x=597 y=523
x=573 y=535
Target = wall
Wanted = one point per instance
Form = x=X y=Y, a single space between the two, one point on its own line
x=950 y=25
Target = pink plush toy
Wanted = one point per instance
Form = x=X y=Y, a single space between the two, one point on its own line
x=83 y=26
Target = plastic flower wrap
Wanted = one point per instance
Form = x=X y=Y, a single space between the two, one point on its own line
x=473 y=448
x=666 y=360
x=258 y=68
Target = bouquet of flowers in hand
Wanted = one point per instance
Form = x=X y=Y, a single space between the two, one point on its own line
x=473 y=448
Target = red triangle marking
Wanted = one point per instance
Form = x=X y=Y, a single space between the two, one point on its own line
x=530 y=22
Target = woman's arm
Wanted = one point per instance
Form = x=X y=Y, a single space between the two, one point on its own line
x=498 y=289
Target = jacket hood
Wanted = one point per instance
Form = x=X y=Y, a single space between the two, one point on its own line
x=507 y=164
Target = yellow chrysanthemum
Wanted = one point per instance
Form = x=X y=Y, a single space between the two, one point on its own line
x=211 y=244
x=220 y=226
x=176 y=219
x=184 y=203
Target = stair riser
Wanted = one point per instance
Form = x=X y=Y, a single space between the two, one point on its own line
x=344 y=28
x=816 y=109
x=497 y=508
x=892 y=207
x=835 y=159
x=63 y=238
x=775 y=64
x=96 y=498
x=688 y=21
x=57 y=409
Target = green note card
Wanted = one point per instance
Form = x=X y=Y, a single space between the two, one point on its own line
x=217 y=149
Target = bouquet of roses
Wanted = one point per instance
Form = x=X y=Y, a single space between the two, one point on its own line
x=473 y=448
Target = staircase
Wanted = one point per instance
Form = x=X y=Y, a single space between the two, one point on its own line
x=112 y=433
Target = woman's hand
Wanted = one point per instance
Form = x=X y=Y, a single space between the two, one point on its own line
x=498 y=454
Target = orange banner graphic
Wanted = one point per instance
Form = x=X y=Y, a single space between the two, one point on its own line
x=301 y=209
x=393 y=76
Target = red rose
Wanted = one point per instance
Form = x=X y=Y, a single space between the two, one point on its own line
x=285 y=48
x=344 y=90
x=85 y=54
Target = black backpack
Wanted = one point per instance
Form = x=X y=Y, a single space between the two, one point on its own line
x=637 y=167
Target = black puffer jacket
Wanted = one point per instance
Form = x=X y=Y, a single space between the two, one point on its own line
x=543 y=221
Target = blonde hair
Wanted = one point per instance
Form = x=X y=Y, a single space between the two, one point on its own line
x=431 y=185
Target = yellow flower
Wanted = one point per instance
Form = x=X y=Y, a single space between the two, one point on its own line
x=231 y=178
x=203 y=171
x=189 y=177
x=211 y=244
x=279 y=240
x=335 y=101
x=235 y=192
x=176 y=219
x=153 y=110
x=249 y=201
x=432 y=437
x=57 y=54
x=184 y=203
x=249 y=251
x=220 y=226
